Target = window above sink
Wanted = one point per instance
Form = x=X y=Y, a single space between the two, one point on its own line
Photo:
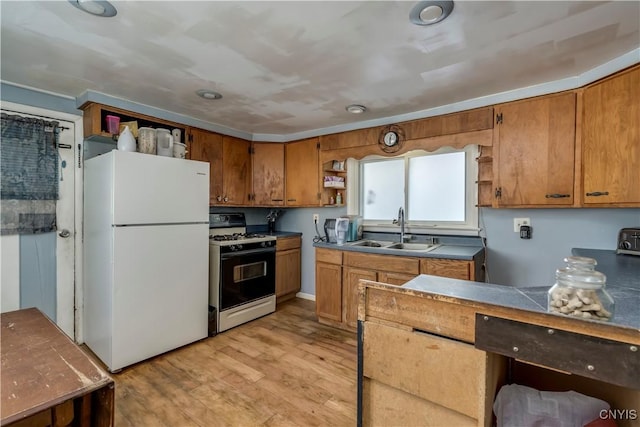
x=437 y=190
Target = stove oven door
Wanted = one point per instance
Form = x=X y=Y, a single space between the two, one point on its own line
x=246 y=276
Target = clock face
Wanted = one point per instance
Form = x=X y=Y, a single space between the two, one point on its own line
x=390 y=139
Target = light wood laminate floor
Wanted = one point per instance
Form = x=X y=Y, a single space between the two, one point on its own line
x=284 y=369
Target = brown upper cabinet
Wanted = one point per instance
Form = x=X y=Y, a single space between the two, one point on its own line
x=268 y=174
x=207 y=147
x=230 y=166
x=94 y=119
x=302 y=172
x=534 y=143
x=611 y=141
x=236 y=170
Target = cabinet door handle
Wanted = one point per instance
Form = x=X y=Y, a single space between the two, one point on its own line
x=291 y=200
x=277 y=200
x=219 y=198
x=557 y=196
x=225 y=198
x=598 y=193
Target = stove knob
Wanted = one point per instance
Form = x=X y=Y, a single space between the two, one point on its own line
x=264 y=244
x=238 y=247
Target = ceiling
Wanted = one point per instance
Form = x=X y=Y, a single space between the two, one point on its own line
x=290 y=67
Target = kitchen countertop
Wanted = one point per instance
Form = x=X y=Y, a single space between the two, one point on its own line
x=462 y=252
x=284 y=233
x=263 y=229
x=534 y=299
x=621 y=270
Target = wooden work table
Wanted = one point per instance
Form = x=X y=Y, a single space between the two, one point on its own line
x=436 y=351
x=46 y=379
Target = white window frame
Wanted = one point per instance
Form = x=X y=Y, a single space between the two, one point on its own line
x=469 y=227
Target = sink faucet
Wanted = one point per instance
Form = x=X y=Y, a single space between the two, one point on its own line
x=401 y=222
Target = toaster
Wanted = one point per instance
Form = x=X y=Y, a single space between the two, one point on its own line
x=629 y=241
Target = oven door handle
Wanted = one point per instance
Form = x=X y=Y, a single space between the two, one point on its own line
x=247 y=252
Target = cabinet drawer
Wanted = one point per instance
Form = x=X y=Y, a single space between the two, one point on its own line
x=455 y=269
x=397 y=279
x=285 y=243
x=387 y=263
x=329 y=256
x=435 y=369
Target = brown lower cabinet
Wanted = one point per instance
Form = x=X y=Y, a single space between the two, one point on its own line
x=287 y=267
x=453 y=381
x=339 y=272
x=431 y=360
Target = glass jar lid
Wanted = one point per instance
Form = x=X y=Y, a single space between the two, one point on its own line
x=580 y=272
x=580 y=263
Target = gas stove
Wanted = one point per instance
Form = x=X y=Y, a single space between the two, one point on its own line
x=241 y=272
x=230 y=229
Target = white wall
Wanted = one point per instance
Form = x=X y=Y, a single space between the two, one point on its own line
x=511 y=260
x=520 y=262
x=9 y=273
x=301 y=220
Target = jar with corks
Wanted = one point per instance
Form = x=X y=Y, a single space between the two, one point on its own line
x=580 y=291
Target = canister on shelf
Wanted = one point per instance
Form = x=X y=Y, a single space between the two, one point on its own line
x=580 y=291
x=147 y=140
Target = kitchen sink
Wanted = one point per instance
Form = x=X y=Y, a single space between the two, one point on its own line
x=370 y=243
x=413 y=246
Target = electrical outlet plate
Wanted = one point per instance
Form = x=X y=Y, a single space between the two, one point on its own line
x=316 y=218
x=518 y=222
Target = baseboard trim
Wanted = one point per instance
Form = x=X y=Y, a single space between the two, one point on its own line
x=302 y=295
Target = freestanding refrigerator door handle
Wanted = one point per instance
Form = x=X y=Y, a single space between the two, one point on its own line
x=64 y=233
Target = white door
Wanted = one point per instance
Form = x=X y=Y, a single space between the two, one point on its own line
x=65 y=245
x=65 y=213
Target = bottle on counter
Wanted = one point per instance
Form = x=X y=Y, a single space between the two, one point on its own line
x=338 y=199
x=332 y=201
x=580 y=291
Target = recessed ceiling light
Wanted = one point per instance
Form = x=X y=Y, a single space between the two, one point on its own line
x=430 y=12
x=208 y=94
x=95 y=7
x=356 y=109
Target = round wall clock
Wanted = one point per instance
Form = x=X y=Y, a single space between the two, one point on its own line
x=391 y=138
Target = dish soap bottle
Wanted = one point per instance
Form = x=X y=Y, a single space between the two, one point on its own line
x=338 y=199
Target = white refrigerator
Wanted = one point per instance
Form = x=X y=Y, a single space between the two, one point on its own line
x=146 y=255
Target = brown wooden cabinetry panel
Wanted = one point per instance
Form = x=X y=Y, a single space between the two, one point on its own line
x=350 y=279
x=285 y=243
x=390 y=269
x=451 y=374
x=302 y=173
x=236 y=171
x=329 y=256
x=611 y=141
x=455 y=269
x=387 y=263
x=329 y=291
x=94 y=119
x=207 y=147
x=395 y=278
x=288 y=268
x=268 y=174
x=465 y=121
x=534 y=143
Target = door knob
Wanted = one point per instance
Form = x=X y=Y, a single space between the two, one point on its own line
x=64 y=233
